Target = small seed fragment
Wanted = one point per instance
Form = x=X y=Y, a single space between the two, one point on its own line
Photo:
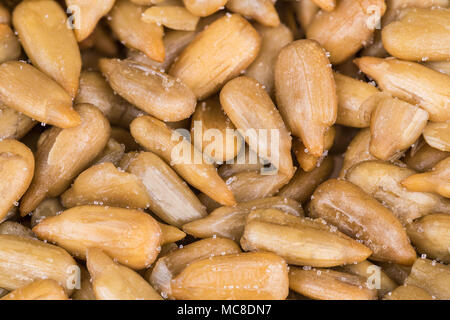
x=203 y=8
x=437 y=135
x=263 y=11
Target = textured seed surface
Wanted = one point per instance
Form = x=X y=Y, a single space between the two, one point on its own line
x=262 y=11
x=437 y=135
x=38 y=290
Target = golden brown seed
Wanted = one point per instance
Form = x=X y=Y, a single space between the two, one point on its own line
x=300 y=241
x=273 y=40
x=130 y=236
x=437 y=135
x=327 y=5
x=431 y=276
x=89 y=13
x=229 y=222
x=375 y=277
x=441 y=66
x=149 y=89
x=173 y=17
x=174 y=42
x=5 y=15
x=262 y=11
x=147 y=2
x=305 y=11
x=9 y=45
x=246 y=161
x=419 y=35
x=17 y=229
x=411 y=82
x=307 y=161
x=220 y=52
x=106 y=185
x=14 y=124
x=242 y=276
x=27 y=90
x=357 y=151
x=170 y=234
x=16 y=173
x=395 y=271
x=360 y=216
x=48 y=42
x=38 y=290
x=187 y=161
x=48 y=208
x=395 y=125
x=125 y=138
x=356 y=101
x=173 y=263
x=431 y=236
x=23 y=261
x=303 y=184
x=306 y=92
x=343 y=31
x=213 y=133
x=408 y=292
x=111 y=281
x=326 y=284
x=383 y=180
x=63 y=154
x=126 y=23
x=169 y=196
x=95 y=90
x=437 y=180
x=203 y=8
x=113 y=152
x=250 y=109
x=423 y=158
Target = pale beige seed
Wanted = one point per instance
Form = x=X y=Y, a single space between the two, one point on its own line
x=170 y=234
x=112 y=281
x=423 y=157
x=113 y=152
x=383 y=180
x=168 y=195
x=14 y=124
x=419 y=35
x=375 y=277
x=262 y=11
x=408 y=292
x=326 y=284
x=130 y=236
x=396 y=7
x=431 y=236
x=213 y=133
x=48 y=42
x=357 y=151
x=63 y=154
x=300 y=241
x=16 y=173
x=149 y=89
x=360 y=216
x=105 y=184
x=5 y=15
x=204 y=8
x=437 y=180
x=172 y=17
x=437 y=135
x=16 y=229
x=220 y=52
x=229 y=222
x=125 y=21
x=411 y=82
x=431 y=276
x=273 y=40
x=242 y=276
x=23 y=261
x=94 y=89
x=356 y=101
x=250 y=109
x=441 y=66
x=88 y=15
x=305 y=11
x=38 y=290
x=307 y=161
x=187 y=161
x=174 y=42
x=27 y=90
x=345 y=30
x=172 y=264
x=48 y=208
x=394 y=126
x=9 y=45
x=85 y=292
x=306 y=92
x=246 y=161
